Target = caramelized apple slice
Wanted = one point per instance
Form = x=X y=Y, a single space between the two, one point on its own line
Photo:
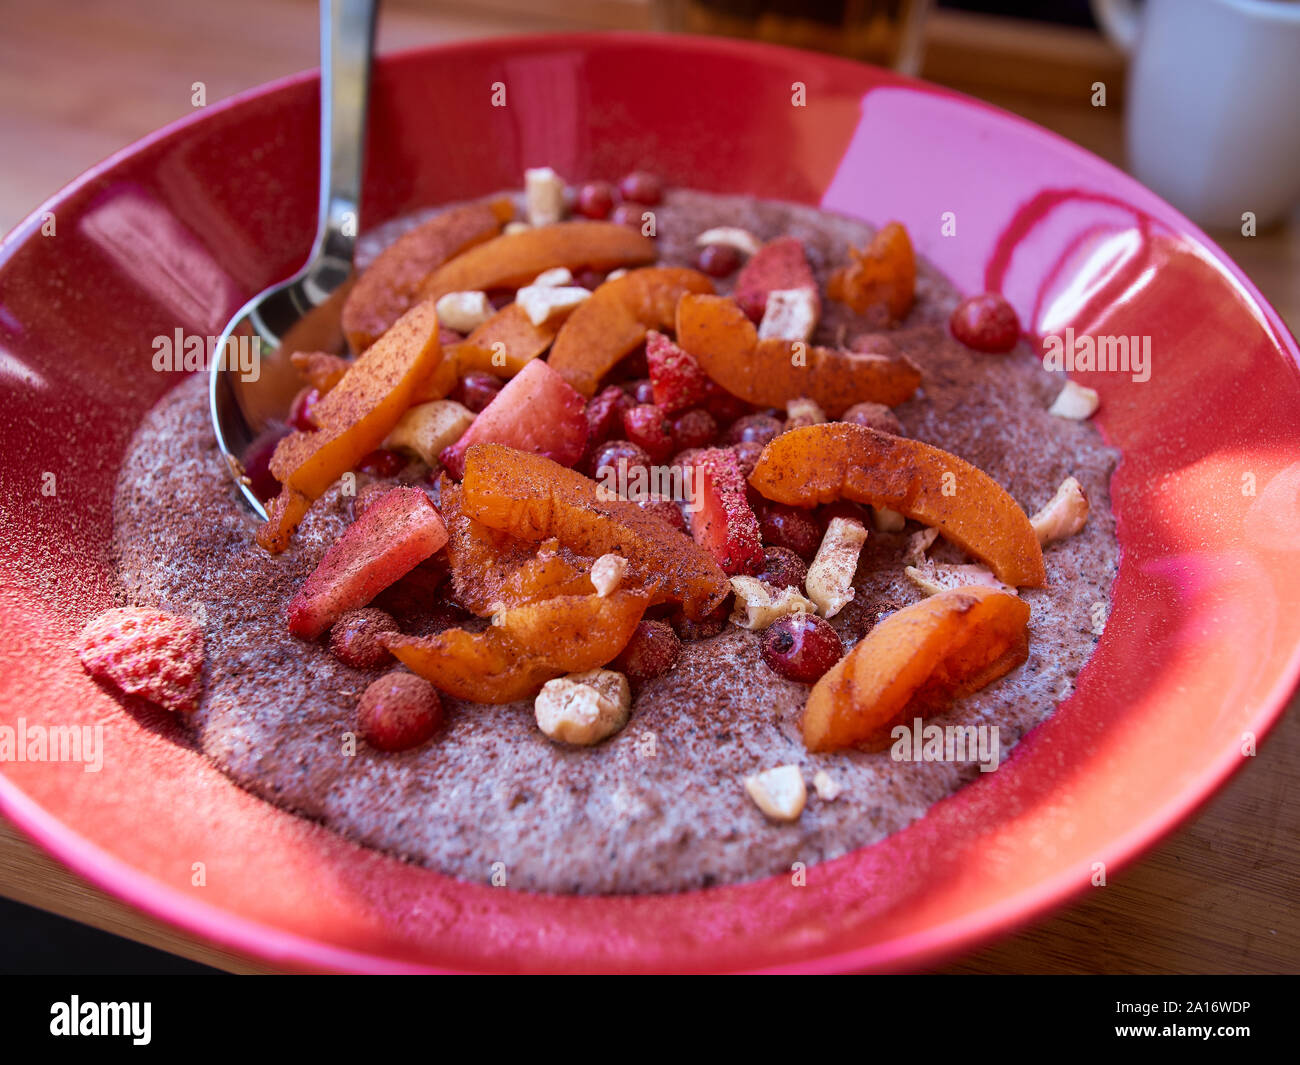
x=882 y=274
x=504 y=344
x=615 y=320
x=771 y=372
x=914 y=662
x=352 y=420
x=822 y=463
x=391 y=284
x=533 y=498
x=514 y=259
x=525 y=646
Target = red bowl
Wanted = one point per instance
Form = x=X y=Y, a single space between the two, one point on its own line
x=1199 y=653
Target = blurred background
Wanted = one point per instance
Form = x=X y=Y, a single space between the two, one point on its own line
x=80 y=79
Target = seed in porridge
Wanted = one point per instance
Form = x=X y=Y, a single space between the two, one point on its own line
x=986 y=322
x=354 y=639
x=398 y=711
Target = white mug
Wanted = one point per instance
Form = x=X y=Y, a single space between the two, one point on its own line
x=1212 y=121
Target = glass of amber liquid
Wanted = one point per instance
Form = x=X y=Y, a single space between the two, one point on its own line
x=885 y=32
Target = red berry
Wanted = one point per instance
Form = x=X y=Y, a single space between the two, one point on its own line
x=618 y=455
x=747 y=452
x=477 y=389
x=695 y=428
x=382 y=463
x=653 y=649
x=759 y=428
x=718 y=260
x=398 y=711
x=649 y=428
x=447 y=337
x=986 y=322
x=605 y=414
x=641 y=186
x=303 y=408
x=665 y=510
x=150 y=653
x=782 y=568
x=791 y=527
x=628 y=214
x=725 y=407
x=874 y=416
x=595 y=200
x=500 y=297
x=589 y=278
x=641 y=390
x=801 y=647
x=354 y=639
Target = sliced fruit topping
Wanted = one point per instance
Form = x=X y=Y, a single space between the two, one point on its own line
x=397 y=532
x=536 y=411
x=677 y=380
x=772 y=372
x=148 y=653
x=398 y=712
x=823 y=463
x=534 y=498
x=914 y=662
x=722 y=521
x=779 y=265
x=525 y=646
x=614 y=321
x=353 y=420
x=321 y=370
x=391 y=284
x=881 y=275
x=505 y=343
x=482 y=559
x=514 y=259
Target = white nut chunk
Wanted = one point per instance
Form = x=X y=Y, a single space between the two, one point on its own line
x=464 y=311
x=614 y=275
x=758 y=606
x=830 y=577
x=790 y=314
x=517 y=226
x=555 y=277
x=1064 y=516
x=583 y=708
x=425 y=430
x=543 y=302
x=918 y=544
x=607 y=573
x=741 y=239
x=779 y=792
x=935 y=577
x=1075 y=402
x=543 y=196
x=827 y=788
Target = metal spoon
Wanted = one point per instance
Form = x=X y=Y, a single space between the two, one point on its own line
x=302 y=313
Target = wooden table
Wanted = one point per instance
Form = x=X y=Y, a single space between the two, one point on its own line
x=80 y=80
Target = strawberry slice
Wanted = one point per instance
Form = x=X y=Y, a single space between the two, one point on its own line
x=397 y=532
x=779 y=264
x=722 y=521
x=537 y=411
x=677 y=380
x=150 y=653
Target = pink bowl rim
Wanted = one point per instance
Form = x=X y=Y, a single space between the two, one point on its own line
x=262 y=942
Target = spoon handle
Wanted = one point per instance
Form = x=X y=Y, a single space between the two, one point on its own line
x=347 y=29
